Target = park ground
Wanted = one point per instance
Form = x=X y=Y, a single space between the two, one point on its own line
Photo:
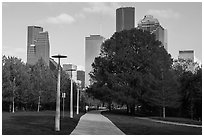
x=133 y=125
x=37 y=123
x=42 y=123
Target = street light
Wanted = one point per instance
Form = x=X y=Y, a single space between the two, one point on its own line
x=57 y=116
x=78 y=88
x=70 y=67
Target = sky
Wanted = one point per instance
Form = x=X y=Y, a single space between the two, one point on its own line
x=68 y=23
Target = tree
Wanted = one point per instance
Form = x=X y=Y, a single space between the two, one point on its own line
x=168 y=95
x=129 y=66
x=66 y=87
x=191 y=87
x=15 y=80
x=44 y=84
x=30 y=87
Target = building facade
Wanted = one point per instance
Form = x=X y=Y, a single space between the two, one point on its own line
x=53 y=65
x=72 y=74
x=81 y=77
x=92 y=50
x=149 y=23
x=37 y=45
x=125 y=18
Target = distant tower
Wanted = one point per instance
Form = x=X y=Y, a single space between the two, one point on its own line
x=125 y=18
x=72 y=74
x=149 y=23
x=81 y=77
x=92 y=50
x=37 y=45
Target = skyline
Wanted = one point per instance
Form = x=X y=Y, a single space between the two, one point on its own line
x=68 y=24
x=38 y=45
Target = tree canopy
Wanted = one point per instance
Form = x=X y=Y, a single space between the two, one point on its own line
x=129 y=69
x=31 y=82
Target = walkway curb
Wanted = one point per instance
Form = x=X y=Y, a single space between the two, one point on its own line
x=168 y=122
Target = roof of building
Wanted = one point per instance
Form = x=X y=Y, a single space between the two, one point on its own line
x=148 y=19
x=94 y=37
x=35 y=26
x=186 y=51
x=125 y=8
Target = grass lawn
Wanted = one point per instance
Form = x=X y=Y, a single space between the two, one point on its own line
x=37 y=123
x=133 y=126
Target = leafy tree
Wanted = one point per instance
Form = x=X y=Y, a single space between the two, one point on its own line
x=44 y=84
x=168 y=95
x=66 y=88
x=129 y=66
x=191 y=87
x=15 y=80
x=32 y=87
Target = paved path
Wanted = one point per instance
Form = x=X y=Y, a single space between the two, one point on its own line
x=93 y=123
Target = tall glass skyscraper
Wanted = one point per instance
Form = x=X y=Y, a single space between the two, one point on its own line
x=149 y=23
x=37 y=45
x=125 y=18
x=92 y=50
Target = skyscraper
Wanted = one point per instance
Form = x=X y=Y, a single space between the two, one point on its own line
x=81 y=77
x=37 y=45
x=92 y=50
x=149 y=23
x=125 y=18
x=72 y=74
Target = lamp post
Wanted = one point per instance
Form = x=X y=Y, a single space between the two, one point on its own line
x=57 y=116
x=78 y=89
x=71 y=94
x=70 y=67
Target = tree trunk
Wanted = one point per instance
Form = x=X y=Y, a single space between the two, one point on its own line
x=109 y=106
x=164 y=112
x=13 y=106
x=14 y=84
x=10 y=106
x=160 y=111
x=127 y=109
x=26 y=107
x=191 y=109
x=103 y=104
x=132 y=109
x=39 y=104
